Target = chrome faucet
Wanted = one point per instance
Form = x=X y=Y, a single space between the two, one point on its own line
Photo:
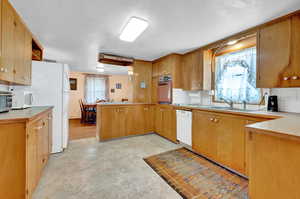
x=229 y=102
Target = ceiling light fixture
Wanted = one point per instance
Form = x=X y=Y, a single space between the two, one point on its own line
x=232 y=42
x=133 y=29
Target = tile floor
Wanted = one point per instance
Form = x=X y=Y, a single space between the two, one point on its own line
x=108 y=170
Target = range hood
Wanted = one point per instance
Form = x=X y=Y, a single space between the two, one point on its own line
x=115 y=60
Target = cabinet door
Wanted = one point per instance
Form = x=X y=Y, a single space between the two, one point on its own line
x=169 y=124
x=155 y=69
x=109 y=123
x=231 y=142
x=32 y=158
x=8 y=44
x=204 y=134
x=274 y=50
x=121 y=129
x=19 y=40
x=192 y=71
x=27 y=58
x=196 y=76
x=158 y=120
x=186 y=71
x=45 y=141
x=154 y=90
x=148 y=119
x=50 y=128
x=135 y=120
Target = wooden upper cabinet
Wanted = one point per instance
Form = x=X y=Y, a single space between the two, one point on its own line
x=8 y=42
x=19 y=41
x=16 y=47
x=169 y=65
x=278 y=62
x=196 y=70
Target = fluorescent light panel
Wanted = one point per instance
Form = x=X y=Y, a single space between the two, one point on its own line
x=133 y=29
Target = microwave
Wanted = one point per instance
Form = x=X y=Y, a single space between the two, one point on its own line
x=5 y=101
x=22 y=99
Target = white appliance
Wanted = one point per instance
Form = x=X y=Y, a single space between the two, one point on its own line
x=50 y=87
x=184 y=126
x=22 y=99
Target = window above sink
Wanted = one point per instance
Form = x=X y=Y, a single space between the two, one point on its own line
x=235 y=75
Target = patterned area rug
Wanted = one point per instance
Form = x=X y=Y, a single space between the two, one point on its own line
x=195 y=177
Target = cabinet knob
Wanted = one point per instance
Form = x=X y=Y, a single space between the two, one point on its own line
x=212 y=119
x=286 y=78
x=294 y=77
x=38 y=128
x=216 y=120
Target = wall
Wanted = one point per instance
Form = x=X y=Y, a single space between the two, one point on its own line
x=288 y=99
x=119 y=94
x=3 y=87
x=75 y=96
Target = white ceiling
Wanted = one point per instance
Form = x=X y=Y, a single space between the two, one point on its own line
x=75 y=31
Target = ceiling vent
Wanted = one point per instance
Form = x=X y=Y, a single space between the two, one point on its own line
x=115 y=60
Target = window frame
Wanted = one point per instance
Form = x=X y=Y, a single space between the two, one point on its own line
x=213 y=72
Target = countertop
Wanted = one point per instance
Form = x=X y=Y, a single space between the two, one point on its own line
x=121 y=104
x=24 y=114
x=281 y=123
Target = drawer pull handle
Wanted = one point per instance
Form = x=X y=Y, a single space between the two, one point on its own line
x=294 y=77
x=286 y=78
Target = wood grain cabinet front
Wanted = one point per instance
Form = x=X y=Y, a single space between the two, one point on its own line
x=196 y=70
x=24 y=153
x=222 y=138
x=169 y=65
x=120 y=121
x=16 y=47
x=278 y=48
x=165 y=122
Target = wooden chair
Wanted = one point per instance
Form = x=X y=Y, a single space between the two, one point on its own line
x=83 y=113
x=88 y=114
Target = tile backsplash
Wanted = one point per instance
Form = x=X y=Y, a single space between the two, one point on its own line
x=288 y=98
x=3 y=87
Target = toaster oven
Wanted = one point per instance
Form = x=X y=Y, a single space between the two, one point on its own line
x=5 y=101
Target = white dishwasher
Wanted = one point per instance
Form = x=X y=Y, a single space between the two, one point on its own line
x=184 y=126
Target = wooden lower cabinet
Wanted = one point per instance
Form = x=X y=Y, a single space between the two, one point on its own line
x=204 y=135
x=24 y=147
x=165 y=122
x=120 y=121
x=274 y=166
x=221 y=138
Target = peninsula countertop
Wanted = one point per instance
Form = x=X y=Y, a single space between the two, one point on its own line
x=23 y=115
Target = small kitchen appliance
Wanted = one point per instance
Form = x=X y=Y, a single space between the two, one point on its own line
x=22 y=99
x=5 y=101
x=273 y=103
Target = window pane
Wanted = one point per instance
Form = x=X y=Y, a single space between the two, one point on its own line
x=236 y=77
x=95 y=89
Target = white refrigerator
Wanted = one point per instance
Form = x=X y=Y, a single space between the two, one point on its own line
x=50 y=87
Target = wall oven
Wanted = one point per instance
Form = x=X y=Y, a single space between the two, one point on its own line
x=165 y=90
x=5 y=101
